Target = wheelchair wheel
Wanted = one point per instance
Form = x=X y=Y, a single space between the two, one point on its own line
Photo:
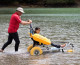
x=36 y=51
x=29 y=48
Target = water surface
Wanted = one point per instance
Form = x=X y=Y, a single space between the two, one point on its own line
x=58 y=27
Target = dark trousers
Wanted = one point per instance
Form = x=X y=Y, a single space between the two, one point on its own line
x=10 y=38
x=37 y=43
x=34 y=42
x=58 y=46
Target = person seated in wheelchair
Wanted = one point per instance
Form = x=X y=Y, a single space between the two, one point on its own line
x=37 y=30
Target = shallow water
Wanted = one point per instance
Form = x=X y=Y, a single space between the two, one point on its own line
x=57 y=27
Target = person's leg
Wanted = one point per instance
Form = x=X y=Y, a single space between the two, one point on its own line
x=34 y=42
x=17 y=41
x=10 y=38
x=58 y=46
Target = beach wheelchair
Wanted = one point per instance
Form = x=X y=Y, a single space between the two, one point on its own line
x=37 y=48
x=43 y=44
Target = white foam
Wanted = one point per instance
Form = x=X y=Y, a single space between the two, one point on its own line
x=20 y=51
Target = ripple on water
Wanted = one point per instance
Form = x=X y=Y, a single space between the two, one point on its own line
x=57 y=27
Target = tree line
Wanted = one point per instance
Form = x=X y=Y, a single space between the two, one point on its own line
x=39 y=2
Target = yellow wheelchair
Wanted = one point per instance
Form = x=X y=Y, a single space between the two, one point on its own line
x=43 y=42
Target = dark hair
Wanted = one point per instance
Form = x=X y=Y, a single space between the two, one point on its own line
x=37 y=28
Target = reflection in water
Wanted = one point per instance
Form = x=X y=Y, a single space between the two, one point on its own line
x=58 y=28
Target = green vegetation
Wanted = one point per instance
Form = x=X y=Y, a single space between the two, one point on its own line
x=42 y=10
x=39 y=2
x=60 y=1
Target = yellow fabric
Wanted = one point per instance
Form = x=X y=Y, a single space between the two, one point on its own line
x=41 y=39
x=30 y=34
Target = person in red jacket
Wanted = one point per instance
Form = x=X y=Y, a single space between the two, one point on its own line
x=13 y=27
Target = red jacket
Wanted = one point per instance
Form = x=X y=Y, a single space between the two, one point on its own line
x=14 y=23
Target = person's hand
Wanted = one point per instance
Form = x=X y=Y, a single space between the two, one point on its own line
x=30 y=21
x=26 y=22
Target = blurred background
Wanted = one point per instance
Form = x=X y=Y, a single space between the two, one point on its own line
x=40 y=3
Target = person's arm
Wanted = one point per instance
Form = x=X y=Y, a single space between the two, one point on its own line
x=21 y=21
x=26 y=22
